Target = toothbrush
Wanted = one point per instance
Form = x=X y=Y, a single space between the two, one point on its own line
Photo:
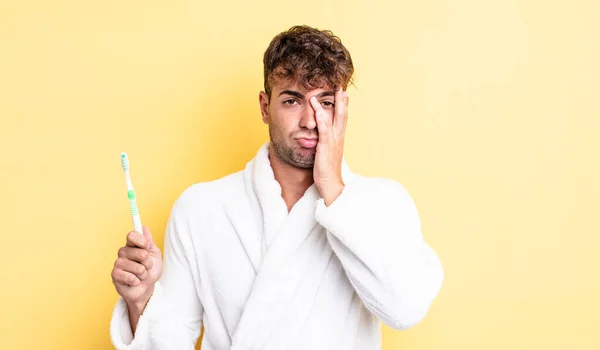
x=137 y=222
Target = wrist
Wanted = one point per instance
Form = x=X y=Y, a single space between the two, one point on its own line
x=138 y=306
x=331 y=192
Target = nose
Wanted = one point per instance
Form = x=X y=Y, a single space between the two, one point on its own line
x=308 y=119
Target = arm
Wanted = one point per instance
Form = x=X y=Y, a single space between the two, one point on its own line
x=134 y=312
x=374 y=229
x=172 y=317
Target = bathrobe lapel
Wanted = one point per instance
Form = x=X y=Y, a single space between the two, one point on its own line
x=295 y=255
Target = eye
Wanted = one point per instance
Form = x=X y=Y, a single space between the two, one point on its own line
x=289 y=102
x=328 y=104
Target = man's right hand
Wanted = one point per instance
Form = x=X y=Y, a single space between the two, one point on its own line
x=136 y=270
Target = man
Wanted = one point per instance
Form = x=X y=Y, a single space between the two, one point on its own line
x=293 y=252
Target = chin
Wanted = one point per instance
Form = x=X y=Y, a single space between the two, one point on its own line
x=304 y=158
x=295 y=155
x=305 y=150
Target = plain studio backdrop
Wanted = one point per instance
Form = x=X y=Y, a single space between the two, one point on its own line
x=488 y=113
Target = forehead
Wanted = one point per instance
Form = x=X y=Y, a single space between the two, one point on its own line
x=294 y=85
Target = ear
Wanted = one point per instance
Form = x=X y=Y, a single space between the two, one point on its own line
x=264 y=106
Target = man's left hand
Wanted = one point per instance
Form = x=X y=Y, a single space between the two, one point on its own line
x=330 y=148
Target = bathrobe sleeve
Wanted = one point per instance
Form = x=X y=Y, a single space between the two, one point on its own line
x=374 y=229
x=172 y=318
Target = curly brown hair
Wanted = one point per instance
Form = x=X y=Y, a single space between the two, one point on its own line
x=312 y=57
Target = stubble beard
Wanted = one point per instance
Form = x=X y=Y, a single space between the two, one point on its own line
x=287 y=154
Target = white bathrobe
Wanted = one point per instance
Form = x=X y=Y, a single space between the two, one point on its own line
x=258 y=277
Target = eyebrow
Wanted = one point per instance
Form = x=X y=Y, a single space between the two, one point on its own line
x=301 y=96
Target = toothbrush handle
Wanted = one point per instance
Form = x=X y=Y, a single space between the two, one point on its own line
x=135 y=214
x=137 y=224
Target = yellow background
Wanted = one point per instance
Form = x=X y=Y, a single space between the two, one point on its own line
x=487 y=111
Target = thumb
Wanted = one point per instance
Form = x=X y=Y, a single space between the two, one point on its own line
x=151 y=246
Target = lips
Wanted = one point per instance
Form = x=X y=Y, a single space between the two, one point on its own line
x=308 y=143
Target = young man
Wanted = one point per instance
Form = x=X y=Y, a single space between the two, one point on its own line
x=293 y=252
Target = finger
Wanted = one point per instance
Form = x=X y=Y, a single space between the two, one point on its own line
x=341 y=111
x=314 y=102
x=123 y=277
x=151 y=246
x=135 y=239
x=132 y=267
x=323 y=122
x=148 y=262
x=134 y=254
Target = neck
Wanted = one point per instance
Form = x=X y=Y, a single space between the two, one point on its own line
x=294 y=181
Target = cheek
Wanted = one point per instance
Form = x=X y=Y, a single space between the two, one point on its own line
x=286 y=121
x=279 y=128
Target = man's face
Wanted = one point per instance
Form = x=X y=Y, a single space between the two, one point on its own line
x=292 y=123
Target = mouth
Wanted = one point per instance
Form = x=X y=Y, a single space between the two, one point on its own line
x=308 y=142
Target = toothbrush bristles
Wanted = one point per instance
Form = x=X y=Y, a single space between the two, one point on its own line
x=124 y=161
